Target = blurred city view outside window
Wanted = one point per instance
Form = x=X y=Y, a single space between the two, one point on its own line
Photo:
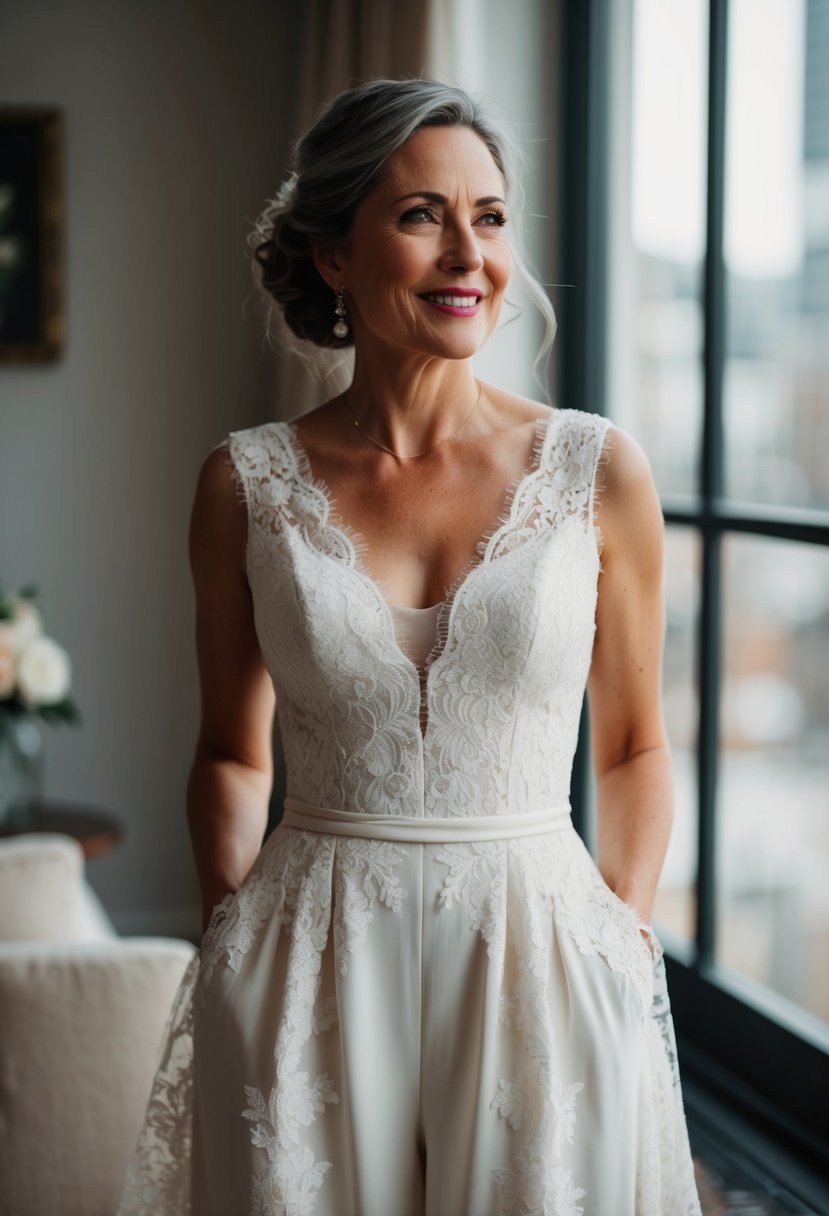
x=772 y=801
x=676 y=898
x=657 y=239
x=776 y=391
x=773 y=790
x=655 y=330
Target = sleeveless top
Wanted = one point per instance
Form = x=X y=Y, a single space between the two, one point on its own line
x=490 y=723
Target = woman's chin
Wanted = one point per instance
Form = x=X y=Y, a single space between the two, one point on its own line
x=455 y=346
x=433 y=345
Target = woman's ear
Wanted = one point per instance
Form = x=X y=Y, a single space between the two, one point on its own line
x=327 y=261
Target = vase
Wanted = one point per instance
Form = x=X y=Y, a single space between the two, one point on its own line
x=21 y=770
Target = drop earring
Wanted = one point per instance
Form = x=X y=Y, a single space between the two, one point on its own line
x=341 y=326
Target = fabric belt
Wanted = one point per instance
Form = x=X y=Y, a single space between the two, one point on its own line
x=428 y=830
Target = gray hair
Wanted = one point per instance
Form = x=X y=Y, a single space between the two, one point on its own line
x=333 y=166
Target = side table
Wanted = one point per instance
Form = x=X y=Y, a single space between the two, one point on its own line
x=97 y=831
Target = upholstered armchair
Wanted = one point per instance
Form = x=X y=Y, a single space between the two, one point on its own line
x=82 y=1013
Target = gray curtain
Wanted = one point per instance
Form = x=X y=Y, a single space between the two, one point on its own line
x=340 y=43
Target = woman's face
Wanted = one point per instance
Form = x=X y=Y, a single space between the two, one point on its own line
x=428 y=260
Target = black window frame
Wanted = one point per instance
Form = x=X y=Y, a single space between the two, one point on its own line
x=735 y=1039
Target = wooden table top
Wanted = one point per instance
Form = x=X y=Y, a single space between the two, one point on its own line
x=97 y=831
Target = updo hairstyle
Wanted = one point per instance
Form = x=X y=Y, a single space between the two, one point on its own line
x=333 y=167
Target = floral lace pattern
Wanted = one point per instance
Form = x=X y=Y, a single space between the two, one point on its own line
x=348 y=699
x=600 y=922
x=536 y=1103
x=557 y=878
x=490 y=729
x=291 y=1176
x=564 y=876
x=292 y=883
x=269 y=891
x=366 y=875
x=156 y=1181
x=519 y=616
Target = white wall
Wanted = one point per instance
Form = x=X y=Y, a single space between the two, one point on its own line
x=176 y=124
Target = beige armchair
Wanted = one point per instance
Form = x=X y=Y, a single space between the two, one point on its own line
x=82 y=1013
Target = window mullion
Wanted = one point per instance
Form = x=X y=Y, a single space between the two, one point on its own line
x=708 y=657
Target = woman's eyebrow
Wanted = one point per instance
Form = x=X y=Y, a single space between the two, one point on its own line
x=440 y=198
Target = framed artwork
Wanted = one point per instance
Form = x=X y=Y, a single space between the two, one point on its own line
x=31 y=234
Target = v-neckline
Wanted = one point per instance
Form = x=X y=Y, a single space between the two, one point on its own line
x=332 y=519
x=356 y=546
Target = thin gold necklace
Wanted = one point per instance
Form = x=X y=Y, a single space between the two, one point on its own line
x=378 y=444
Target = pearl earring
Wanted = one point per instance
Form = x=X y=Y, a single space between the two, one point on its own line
x=341 y=326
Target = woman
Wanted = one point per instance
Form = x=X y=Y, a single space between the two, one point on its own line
x=421 y=995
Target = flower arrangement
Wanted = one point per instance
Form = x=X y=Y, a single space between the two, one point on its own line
x=35 y=672
x=35 y=678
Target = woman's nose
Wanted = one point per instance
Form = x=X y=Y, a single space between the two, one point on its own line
x=461 y=251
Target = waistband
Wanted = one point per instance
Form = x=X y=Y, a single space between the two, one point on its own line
x=428 y=830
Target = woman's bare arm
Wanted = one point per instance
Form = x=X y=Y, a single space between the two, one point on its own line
x=232 y=774
x=631 y=756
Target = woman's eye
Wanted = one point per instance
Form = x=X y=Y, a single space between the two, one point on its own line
x=416 y=215
x=420 y=215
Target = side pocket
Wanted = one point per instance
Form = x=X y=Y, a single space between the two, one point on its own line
x=601 y=923
x=219 y=912
x=216 y=938
x=649 y=940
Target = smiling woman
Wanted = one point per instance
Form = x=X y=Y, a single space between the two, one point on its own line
x=445 y=257
x=420 y=995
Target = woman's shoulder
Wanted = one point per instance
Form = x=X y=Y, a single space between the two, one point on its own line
x=622 y=457
x=243 y=455
x=627 y=499
x=624 y=461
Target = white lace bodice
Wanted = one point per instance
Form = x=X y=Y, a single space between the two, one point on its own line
x=491 y=724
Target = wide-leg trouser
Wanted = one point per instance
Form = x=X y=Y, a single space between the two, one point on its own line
x=434 y=1048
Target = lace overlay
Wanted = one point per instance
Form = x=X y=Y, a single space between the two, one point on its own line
x=520 y=617
x=489 y=729
x=156 y=1181
x=289 y=1179
x=538 y=1105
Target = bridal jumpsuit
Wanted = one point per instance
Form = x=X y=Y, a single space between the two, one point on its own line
x=424 y=999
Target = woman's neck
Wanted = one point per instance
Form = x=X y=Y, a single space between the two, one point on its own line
x=413 y=404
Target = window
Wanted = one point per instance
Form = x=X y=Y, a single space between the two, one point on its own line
x=696 y=159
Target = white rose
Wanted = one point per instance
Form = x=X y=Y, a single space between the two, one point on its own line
x=26 y=623
x=8 y=659
x=44 y=673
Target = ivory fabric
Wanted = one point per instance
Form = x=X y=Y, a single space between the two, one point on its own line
x=44 y=896
x=416 y=631
x=438 y=1019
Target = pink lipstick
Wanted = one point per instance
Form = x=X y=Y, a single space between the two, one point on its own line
x=456 y=301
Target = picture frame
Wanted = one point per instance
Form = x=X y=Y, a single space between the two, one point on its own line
x=32 y=322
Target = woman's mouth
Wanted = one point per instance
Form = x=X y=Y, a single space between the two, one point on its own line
x=457 y=304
